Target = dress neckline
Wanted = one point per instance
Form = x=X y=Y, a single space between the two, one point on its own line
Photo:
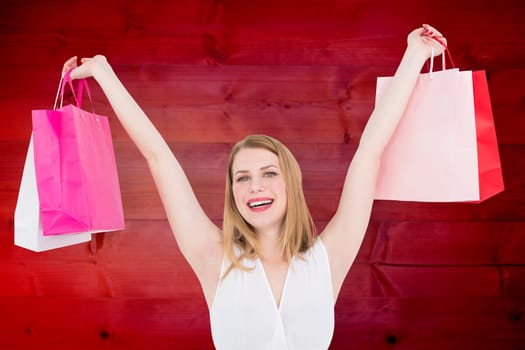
x=277 y=304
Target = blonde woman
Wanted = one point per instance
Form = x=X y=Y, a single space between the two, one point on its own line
x=270 y=282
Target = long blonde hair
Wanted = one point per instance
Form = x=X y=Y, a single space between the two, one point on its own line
x=298 y=233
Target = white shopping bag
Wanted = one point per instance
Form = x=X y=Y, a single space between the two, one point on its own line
x=28 y=227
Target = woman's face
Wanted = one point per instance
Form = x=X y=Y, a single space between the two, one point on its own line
x=259 y=188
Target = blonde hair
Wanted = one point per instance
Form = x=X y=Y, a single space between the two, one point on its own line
x=298 y=233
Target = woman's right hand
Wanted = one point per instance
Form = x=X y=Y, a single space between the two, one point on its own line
x=88 y=67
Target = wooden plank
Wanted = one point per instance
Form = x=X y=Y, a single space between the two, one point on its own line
x=415 y=281
x=239 y=33
x=323 y=195
x=513 y=283
x=132 y=264
x=109 y=323
x=429 y=243
x=206 y=163
x=299 y=122
x=362 y=323
x=197 y=85
x=205 y=86
x=205 y=167
x=435 y=281
x=16 y=280
x=430 y=323
x=135 y=262
x=59 y=278
x=128 y=264
x=449 y=243
x=229 y=106
x=220 y=104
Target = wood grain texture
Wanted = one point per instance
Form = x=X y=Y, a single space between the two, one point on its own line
x=226 y=103
x=208 y=73
x=431 y=323
x=259 y=32
x=205 y=165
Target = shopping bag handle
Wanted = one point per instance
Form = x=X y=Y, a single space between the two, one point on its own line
x=439 y=41
x=82 y=84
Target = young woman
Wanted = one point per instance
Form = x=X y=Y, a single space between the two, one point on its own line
x=269 y=281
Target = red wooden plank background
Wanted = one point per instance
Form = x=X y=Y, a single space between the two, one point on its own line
x=209 y=72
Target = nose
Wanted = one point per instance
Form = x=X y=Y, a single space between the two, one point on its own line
x=256 y=185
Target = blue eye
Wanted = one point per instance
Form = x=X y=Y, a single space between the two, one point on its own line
x=270 y=174
x=241 y=179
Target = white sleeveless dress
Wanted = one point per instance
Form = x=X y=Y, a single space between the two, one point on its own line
x=244 y=314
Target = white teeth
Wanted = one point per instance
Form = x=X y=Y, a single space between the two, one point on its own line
x=259 y=203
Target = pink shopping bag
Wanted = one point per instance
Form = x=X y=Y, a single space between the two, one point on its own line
x=76 y=172
x=434 y=154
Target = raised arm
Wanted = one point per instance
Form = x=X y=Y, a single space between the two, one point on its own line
x=344 y=233
x=198 y=238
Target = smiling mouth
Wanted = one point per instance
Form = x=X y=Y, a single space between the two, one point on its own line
x=260 y=203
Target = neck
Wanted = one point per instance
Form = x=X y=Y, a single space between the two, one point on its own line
x=270 y=248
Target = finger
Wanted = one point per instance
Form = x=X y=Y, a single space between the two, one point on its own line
x=441 y=41
x=70 y=63
x=433 y=34
x=428 y=30
x=428 y=27
x=439 y=46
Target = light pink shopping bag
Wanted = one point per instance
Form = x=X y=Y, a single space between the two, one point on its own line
x=433 y=154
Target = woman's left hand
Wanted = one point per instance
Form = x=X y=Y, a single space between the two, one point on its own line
x=427 y=38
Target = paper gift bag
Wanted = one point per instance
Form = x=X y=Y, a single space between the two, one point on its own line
x=28 y=227
x=489 y=164
x=433 y=154
x=71 y=178
x=76 y=172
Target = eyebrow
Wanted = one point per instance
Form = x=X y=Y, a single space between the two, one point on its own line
x=262 y=168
